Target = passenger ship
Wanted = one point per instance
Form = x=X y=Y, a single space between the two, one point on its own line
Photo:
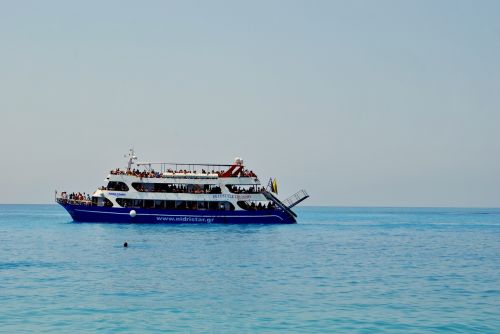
x=182 y=193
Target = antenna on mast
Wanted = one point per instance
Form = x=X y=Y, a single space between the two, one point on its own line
x=131 y=157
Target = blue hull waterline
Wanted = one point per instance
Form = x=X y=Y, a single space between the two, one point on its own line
x=81 y=213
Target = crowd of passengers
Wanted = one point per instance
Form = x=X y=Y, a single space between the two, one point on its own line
x=172 y=188
x=153 y=174
x=81 y=197
x=240 y=190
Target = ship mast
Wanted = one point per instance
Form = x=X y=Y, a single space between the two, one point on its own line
x=131 y=157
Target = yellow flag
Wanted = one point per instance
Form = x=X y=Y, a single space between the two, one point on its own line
x=275 y=186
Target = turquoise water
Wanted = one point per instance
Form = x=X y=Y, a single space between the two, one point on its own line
x=355 y=270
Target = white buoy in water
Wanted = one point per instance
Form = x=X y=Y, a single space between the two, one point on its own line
x=132 y=213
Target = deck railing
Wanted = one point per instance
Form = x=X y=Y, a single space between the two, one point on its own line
x=61 y=200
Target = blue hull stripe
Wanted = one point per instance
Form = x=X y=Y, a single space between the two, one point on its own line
x=163 y=215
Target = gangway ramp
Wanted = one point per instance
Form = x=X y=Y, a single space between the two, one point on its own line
x=295 y=199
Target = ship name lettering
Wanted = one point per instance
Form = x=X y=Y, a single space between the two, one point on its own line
x=117 y=194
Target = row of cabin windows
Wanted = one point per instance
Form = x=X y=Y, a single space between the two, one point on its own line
x=182 y=188
x=175 y=205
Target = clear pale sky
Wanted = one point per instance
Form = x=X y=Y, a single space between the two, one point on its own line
x=377 y=103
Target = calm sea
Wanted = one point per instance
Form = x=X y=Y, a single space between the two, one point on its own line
x=350 y=270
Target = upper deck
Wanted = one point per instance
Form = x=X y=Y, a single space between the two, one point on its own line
x=187 y=173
